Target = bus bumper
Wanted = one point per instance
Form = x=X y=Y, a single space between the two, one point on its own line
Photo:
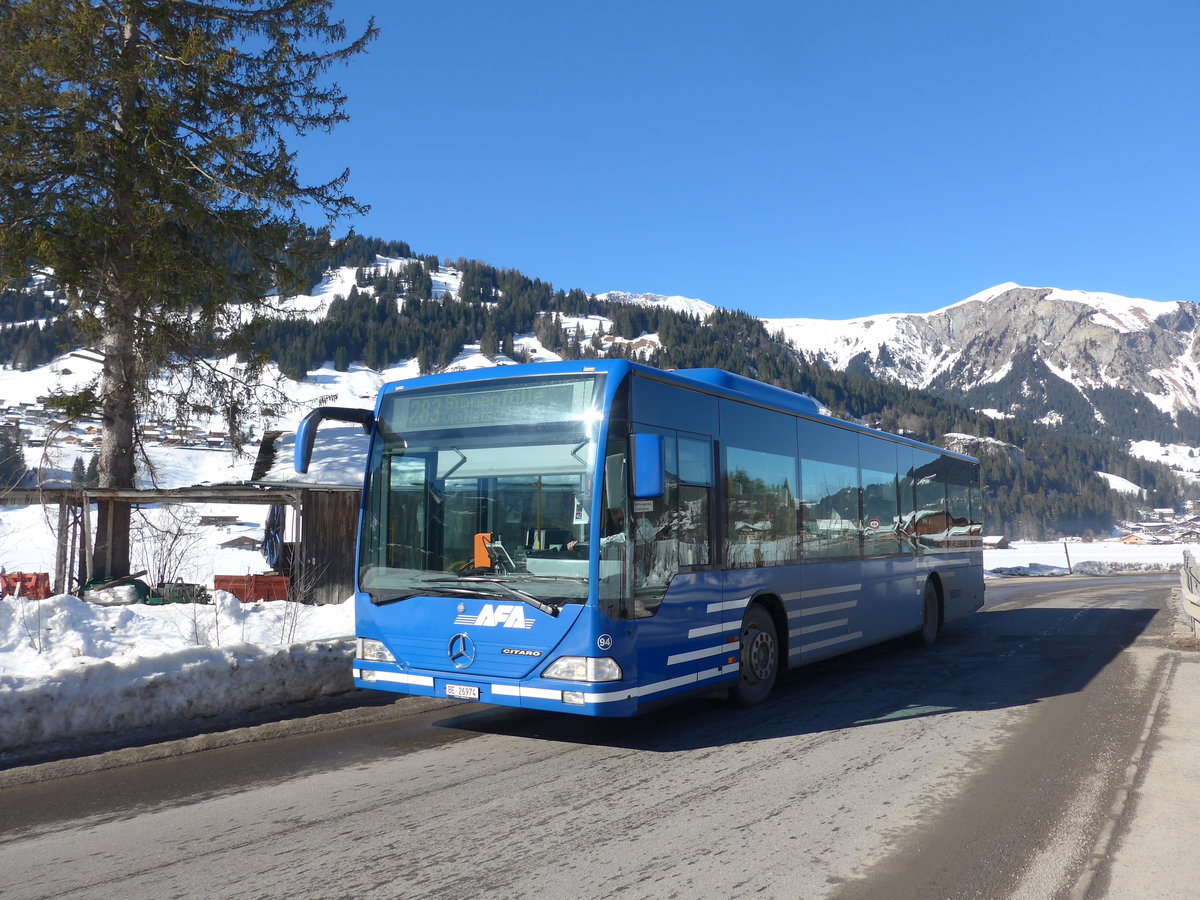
x=586 y=699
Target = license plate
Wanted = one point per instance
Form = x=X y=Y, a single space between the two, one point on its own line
x=462 y=691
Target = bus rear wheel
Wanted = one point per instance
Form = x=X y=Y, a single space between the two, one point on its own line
x=760 y=658
x=931 y=617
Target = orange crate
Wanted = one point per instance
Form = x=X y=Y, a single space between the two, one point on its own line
x=34 y=585
x=252 y=588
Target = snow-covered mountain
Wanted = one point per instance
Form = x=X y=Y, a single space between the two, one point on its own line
x=1093 y=361
x=691 y=307
x=1035 y=353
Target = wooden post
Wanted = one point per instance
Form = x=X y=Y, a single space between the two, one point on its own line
x=62 y=554
x=85 y=543
x=1068 y=555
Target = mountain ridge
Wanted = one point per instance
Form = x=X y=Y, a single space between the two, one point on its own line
x=1110 y=351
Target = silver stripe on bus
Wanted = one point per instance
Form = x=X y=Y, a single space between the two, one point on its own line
x=706 y=630
x=828 y=607
x=824 y=626
x=727 y=604
x=398 y=677
x=516 y=690
x=818 y=645
x=513 y=690
x=659 y=686
x=825 y=592
x=700 y=654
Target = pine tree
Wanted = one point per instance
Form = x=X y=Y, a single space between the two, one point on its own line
x=489 y=344
x=12 y=461
x=92 y=476
x=143 y=159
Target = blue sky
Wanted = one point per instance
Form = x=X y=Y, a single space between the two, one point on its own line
x=830 y=159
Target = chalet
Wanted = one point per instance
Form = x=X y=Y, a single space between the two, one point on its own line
x=218 y=520
x=243 y=542
x=1144 y=538
x=751 y=531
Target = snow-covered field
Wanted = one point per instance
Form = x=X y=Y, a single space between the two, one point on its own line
x=1081 y=558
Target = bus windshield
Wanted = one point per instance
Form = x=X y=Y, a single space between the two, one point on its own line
x=483 y=489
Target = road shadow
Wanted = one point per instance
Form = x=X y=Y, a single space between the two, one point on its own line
x=997 y=659
x=183 y=729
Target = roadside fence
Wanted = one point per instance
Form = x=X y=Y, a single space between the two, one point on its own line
x=1189 y=584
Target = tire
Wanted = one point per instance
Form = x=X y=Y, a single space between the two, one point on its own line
x=931 y=617
x=759 y=658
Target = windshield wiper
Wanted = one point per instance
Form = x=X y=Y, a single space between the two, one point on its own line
x=533 y=601
x=392 y=598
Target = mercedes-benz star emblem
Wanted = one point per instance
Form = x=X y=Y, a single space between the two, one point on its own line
x=461 y=651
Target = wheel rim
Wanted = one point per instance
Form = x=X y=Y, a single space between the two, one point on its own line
x=759 y=655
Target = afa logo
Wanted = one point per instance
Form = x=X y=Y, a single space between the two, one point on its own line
x=498 y=614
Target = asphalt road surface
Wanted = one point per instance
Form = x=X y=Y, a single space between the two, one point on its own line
x=992 y=765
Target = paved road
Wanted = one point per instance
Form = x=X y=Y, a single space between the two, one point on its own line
x=1005 y=762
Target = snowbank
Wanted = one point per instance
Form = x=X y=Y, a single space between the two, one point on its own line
x=1095 y=558
x=70 y=668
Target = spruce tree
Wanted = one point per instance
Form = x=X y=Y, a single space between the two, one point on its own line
x=12 y=461
x=143 y=159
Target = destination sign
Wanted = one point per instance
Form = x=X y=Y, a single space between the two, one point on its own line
x=477 y=406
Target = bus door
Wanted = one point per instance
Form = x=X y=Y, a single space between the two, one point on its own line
x=676 y=592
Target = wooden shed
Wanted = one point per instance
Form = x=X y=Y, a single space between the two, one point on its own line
x=323 y=535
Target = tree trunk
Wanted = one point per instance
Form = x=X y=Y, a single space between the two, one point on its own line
x=117 y=385
x=116 y=467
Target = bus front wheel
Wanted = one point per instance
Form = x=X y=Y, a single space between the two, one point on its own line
x=760 y=658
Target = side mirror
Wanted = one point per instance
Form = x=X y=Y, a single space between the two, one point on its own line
x=306 y=433
x=649 y=466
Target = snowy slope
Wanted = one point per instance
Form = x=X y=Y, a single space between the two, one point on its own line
x=338 y=282
x=1002 y=348
x=691 y=307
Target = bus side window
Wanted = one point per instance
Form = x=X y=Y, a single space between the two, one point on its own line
x=933 y=522
x=656 y=550
x=672 y=531
x=695 y=498
x=761 y=527
x=829 y=482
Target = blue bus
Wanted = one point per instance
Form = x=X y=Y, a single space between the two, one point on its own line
x=596 y=536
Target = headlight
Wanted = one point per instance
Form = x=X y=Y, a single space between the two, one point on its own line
x=374 y=651
x=583 y=668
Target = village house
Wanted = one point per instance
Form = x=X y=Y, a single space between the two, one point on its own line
x=243 y=542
